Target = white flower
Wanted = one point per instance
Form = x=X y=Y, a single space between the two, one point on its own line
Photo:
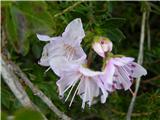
x=120 y=72
x=65 y=49
x=88 y=84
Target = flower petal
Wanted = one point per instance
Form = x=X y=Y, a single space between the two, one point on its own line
x=50 y=50
x=88 y=72
x=44 y=59
x=138 y=70
x=123 y=78
x=45 y=37
x=79 y=55
x=109 y=72
x=66 y=81
x=60 y=64
x=122 y=61
x=88 y=90
x=98 y=49
x=74 y=32
x=102 y=88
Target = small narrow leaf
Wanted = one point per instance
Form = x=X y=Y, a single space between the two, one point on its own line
x=115 y=34
x=113 y=23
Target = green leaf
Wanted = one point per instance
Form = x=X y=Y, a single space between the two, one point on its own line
x=36 y=50
x=16 y=27
x=115 y=34
x=20 y=23
x=27 y=114
x=6 y=97
x=3 y=116
x=113 y=23
x=11 y=30
x=39 y=18
x=6 y=3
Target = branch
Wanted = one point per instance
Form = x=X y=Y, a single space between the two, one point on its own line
x=12 y=81
x=151 y=79
x=140 y=61
x=38 y=92
x=133 y=114
x=67 y=9
x=15 y=86
x=148 y=32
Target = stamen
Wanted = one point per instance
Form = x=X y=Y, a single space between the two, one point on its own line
x=90 y=97
x=69 y=86
x=74 y=94
x=84 y=100
x=47 y=70
x=69 y=52
x=70 y=92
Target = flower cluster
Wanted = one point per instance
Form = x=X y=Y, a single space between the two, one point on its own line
x=65 y=56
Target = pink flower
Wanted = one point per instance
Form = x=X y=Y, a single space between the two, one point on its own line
x=120 y=72
x=64 y=50
x=102 y=45
x=87 y=82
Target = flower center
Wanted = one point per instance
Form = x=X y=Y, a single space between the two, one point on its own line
x=102 y=42
x=69 y=51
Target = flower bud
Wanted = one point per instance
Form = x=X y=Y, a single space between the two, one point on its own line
x=102 y=45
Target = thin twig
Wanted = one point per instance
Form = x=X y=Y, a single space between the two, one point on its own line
x=133 y=114
x=38 y=92
x=12 y=81
x=151 y=79
x=67 y=9
x=15 y=86
x=140 y=61
x=148 y=32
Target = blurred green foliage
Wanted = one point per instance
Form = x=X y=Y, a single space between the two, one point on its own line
x=27 y=114
x=120 y=21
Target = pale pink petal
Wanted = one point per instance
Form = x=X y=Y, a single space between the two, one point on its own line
x=61 y=64
x=100 y=84
x=107 y=47
x=45 y=37
x=137 y=70
x=109 y=72
x=98 y=49
x=79 y=55
x=74 y=32
x=87 y=72
x=122 y=61
x=44 y=59
x=66 y=81
x=88 y=90
x=56 y=49
x=123 y=78
x=51 y=50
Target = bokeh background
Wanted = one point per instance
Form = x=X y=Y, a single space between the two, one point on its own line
x=119 y=21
